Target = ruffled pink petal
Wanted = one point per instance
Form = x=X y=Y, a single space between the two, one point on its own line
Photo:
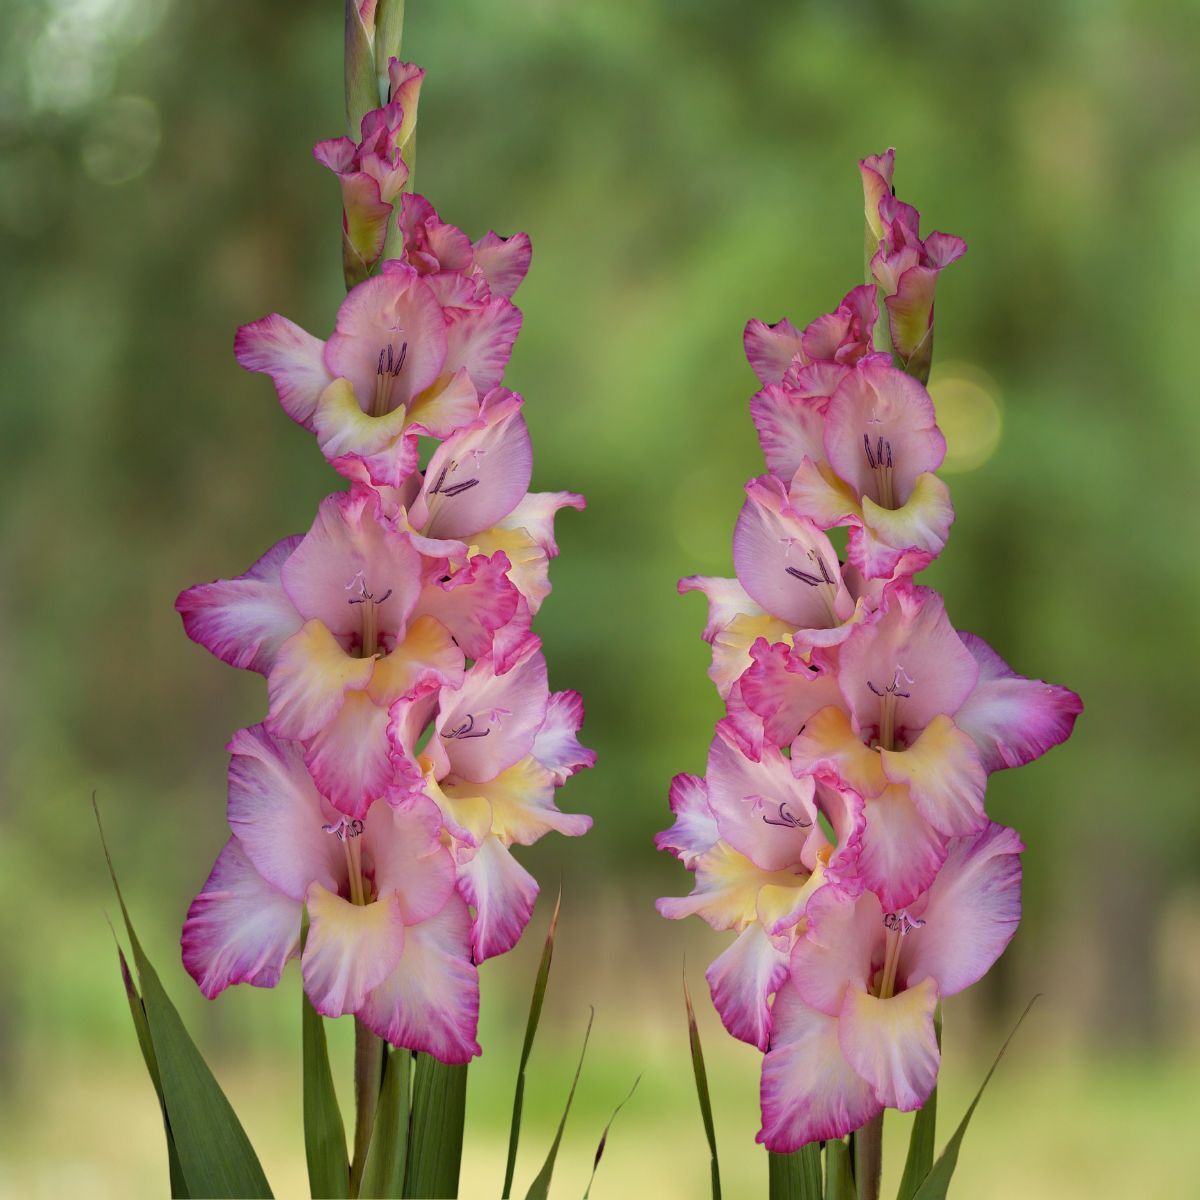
x=556 y=745
x=473 y=603
x=502 y=894
x=913 y=645
x=535 y=514
x=891 y=1043
x=521 y=800
x=726 y=889
x=350 y=949
x=503 y=261
x=900 y=852
x=761 y=808
x=970 y=915
x=895 y=541
x=742 y=981
x=841 y=950
x=491 y=722
x=365 y=214
x=239 y=929
x=430 y=244
x=1012 y=719
x=790 y=429
x=695 y=829
x=393 y=311
x=809 y=1091
x=427 y=654
x=944 y=776
x=481 y=339
x=785 y=691
x=476 y=478
x=876 y=170
x=450 y=405
x=243 y=621
x=293 y=358
x=349 y=553
x=349 y=757
x=883 y=410
x=785 y=563
x=430 y=1002
x=771 y=348
x=276 y=814
x=402 y=850
x=726 y=599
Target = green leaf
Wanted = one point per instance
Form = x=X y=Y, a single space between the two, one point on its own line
x=839 y=1178
x=324 y=1132
x=436 y=1136
x=383 y=1174
x=701 y=1077
x=138 y=1012
x=604 y=1137
x=937 y=1182
x=924 y=1132
x=795 y=1176
x=539 y=1189
x=531 y=1025
x=362 y=89
x=215 y=1155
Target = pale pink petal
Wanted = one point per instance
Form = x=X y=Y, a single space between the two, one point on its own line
x=427 y=653
x=726 y=889
x=726 y=599
x=771 y=348
x=293 y=358
x=349 y=757
x=944 y=775
x=916 y=531
x=970 y=914
x=450 y=405
x=742 y=981
x=828 y=748
x=309 y=681
x=785 y=563
x=556 y=745
x=535 y=514
x=900 y=852
x=809 y=1091
x=239 y=929
x=695 y=829
x=1012 y=719
x=841 y=950
x=503 y=261
x=473 y=603
x=785 y=691
x=243 y=621
x=393 y=311
x=877 y=170
x=881 y=415
x=350 y=949
x=891 y=1043
x=351 y=553
x=912 y=645
x=276 y=814
x=502 y=894
x=522 y=804
x=491 y=722
x=790 y=429
x=402 y=850
x=430 y=1002
x=481 y=340
x=476 y=478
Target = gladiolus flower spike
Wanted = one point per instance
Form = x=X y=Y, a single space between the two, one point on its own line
x=840 y=828
x=412 y=739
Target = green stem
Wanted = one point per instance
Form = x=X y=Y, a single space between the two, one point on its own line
x=868 y=1158
x=368 y=1078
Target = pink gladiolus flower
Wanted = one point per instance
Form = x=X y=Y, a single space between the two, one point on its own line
x=389 y=938
x=852 y=1029
x=905 y=267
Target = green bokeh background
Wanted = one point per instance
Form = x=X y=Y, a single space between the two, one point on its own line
x=681 y=165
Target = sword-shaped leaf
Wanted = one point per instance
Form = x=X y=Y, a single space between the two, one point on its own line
x=919 y=1162
x=604 y=1137
x=439 y=1106
x=701 y=1077
x=383 y=1174
x=324 y=1132
x=795 y=1176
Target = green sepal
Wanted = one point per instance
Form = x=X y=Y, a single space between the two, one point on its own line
x=362 y=91
x=439 y=1102
x=539 y=1189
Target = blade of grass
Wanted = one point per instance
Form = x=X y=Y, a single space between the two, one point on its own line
x=922 y=1140
x=701 y=1077
x=604 y=1137
x=539 y=1189
x=324 y=1132
x=138 y=1012
x=531 y=1025
x=937 y=1182
x=839 y=1178
x=795 y=1176
x=383 y=1174
x=435 y=1139
x=215 y=1155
